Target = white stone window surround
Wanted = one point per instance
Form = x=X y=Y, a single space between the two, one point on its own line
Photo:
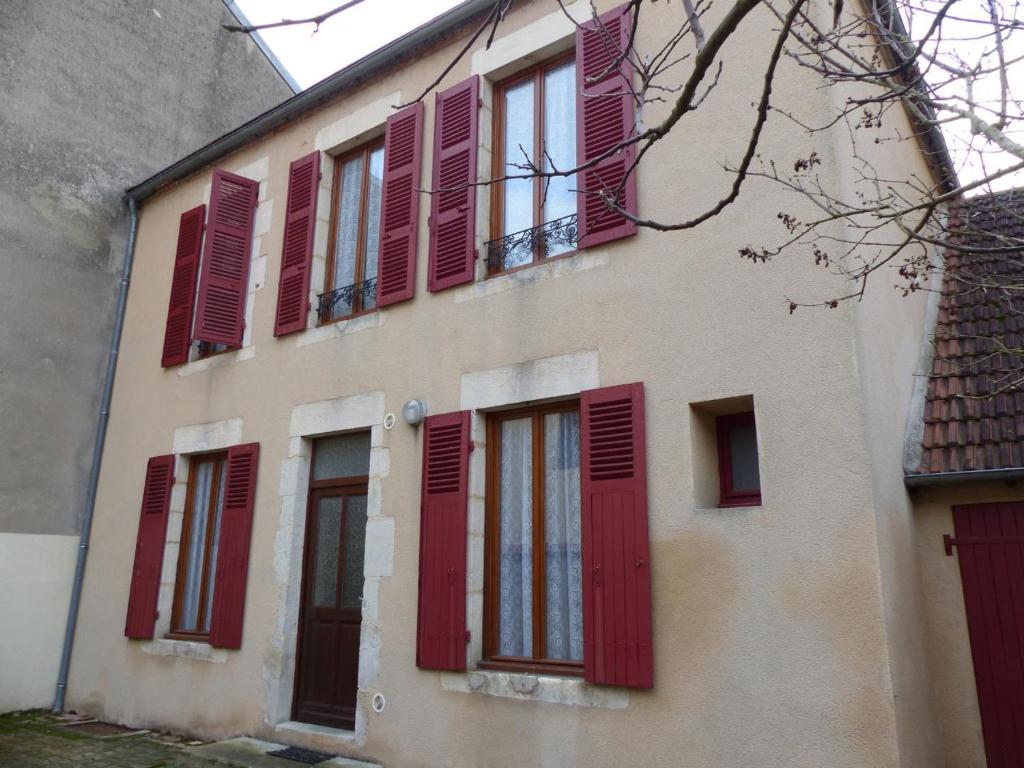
x=309 y=421
x=257 y=170
x=541 y=39
x=337 y=138
x=189 y=440
x=493 y=389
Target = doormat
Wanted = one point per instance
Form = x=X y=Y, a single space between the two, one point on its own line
x=300 y=755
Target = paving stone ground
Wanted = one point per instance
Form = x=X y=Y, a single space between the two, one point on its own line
x=36 y=740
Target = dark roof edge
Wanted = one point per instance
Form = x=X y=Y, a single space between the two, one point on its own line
x=971 y=475
x=934 y=143
x=312 y=97
x=257 y=38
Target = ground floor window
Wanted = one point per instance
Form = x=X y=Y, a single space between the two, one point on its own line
x=197 y=556
x=533 y=588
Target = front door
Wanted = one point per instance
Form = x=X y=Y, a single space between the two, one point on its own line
x=328 y=663
x=990 y=546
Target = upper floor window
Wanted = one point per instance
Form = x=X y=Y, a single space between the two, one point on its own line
x=197 y=557
x=351 y=284
x=533 y=585
x=535 y=126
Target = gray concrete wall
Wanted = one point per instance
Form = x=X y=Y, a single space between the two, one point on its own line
x=94 y=95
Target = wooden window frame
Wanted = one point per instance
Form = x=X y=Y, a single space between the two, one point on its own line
x=364 y=150
x=730 y=496
x=219 y=460
x=536 y=74
x=492 y=547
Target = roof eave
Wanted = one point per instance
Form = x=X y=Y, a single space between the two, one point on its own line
x=966 y=476
x=324 y=91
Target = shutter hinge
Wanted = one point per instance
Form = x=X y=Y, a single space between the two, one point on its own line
x=948 y=542
x=430 y=222
x=472 y=446
x=468 y=634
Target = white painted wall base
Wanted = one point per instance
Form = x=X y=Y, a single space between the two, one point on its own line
x=35 y=588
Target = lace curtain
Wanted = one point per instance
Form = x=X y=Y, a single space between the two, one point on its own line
x=562 y=558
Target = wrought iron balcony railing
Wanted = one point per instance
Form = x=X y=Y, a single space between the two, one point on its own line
x=549 y=239
x=347 y=300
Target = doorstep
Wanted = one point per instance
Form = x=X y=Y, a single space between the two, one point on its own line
x=246 y=752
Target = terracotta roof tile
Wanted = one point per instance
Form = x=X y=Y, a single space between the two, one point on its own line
x=974 y=408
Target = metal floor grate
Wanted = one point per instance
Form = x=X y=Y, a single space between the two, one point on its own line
x=300 y=755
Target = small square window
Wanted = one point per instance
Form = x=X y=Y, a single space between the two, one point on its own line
x=738 y=471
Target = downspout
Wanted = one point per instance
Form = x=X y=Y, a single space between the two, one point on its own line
x=97 y=459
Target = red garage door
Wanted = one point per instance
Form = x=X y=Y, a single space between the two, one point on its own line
x=990 y=545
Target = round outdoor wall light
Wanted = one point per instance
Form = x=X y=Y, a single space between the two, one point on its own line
x=414 y=412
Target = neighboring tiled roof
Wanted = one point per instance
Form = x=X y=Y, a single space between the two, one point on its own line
x=974 y=407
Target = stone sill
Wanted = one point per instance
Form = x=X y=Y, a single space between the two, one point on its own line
x=185 y=649
x=532 y=687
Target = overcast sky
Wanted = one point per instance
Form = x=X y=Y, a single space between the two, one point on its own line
x=313 y=55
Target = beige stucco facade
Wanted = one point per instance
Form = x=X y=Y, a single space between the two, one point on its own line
x=796 y=633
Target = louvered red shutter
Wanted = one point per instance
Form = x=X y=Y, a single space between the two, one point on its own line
x=453 y=211
x=441 y=629
x=616 y=560
x=178 y=333
x=605 y=116
x=224 y=274
x=149 y=548
x=396 y=270
x=297 y=251
x=233 y=547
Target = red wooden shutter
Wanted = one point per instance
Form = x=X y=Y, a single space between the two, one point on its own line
x=224 y=275
x=396 y=271
x=297 y=251
x=178 y=333
x=441 y=631
x=990 y=548
x=616 y=560
x=453 y=212
x=233 y=547
x=605 y=116
x=149 y=548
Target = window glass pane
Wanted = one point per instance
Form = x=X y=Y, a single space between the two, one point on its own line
x=193 y=573
x=214 y=544
x=373 y=198
x=325 y=566
x=743 y=450
x=515 y=602
x=342 y=456
x=560 y=146
x=348 y=230
x=355 y=543
x=518 y=209
x=563 y=563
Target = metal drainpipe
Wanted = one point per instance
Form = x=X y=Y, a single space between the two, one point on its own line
x=97 y=459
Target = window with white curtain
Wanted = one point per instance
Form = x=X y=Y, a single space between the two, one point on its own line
x=197 y=554
x=534 y=571
x=535 y=128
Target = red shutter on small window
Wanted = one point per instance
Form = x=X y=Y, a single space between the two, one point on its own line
x=441 y=630
x=224 y=274
x=616 y=560
x=403 y=141
x=297 y=251
x=149 y=548
x=605 y=116
x=453 y=211
x=178 y=332
x=233 y=547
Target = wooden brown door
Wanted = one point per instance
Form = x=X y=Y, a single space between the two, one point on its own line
x=990 y=545
x=328 y=663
